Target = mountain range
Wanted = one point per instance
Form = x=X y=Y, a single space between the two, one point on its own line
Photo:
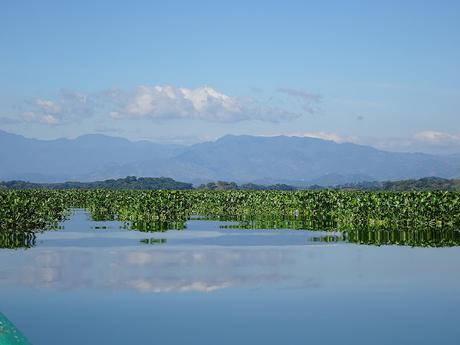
x=279 y=159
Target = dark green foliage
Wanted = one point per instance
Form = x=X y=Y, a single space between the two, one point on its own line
x=279 y=186
x=423 y=184
x=219 y=185
x=141 y=183
x=164 y=183
x=27 y=210
x=130 y=182
x=222 y=185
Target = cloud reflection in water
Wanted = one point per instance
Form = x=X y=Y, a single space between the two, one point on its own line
x=165 y=270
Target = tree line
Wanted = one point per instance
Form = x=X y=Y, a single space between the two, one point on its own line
x=166 y=183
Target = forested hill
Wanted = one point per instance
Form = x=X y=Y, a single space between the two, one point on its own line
x=165 y=183
x=130 y=182
x=423 y=184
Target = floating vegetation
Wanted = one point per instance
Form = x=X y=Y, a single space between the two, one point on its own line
x=395 y=217
x=156 y=226
x=22 y=211
x=154 y=241
x=327 y=238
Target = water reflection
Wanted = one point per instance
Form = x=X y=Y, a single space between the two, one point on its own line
x=418 y=238
x=414 y=237
x=244 y=233
x=173 y=270
x=208 y=256
x=16 y=240
x=273 y=286
x=154 y=241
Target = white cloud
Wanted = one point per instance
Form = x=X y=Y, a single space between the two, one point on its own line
x=171 y=102
x=299 y=93
x=162 y=103
x=320 y=135
x=68 y=107
x=427 y=141
x=308 y=101
x=39 y=117
x=436 y=137
x=143 y=285
x=203 y=103
x=115 y=115
x=47 y=106
x=327 y=136
x=49 y=119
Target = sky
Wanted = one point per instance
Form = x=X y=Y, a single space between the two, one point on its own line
x=380 y=73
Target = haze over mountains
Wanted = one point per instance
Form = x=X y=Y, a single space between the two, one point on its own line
x=281 y=159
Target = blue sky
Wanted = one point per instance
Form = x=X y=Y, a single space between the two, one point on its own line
x=380 y=73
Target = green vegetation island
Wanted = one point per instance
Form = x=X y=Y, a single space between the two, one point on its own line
x=423 y=218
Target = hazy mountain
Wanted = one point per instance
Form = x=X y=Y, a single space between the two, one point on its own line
x=235 y=158
x=80 y=158
x=296 y=158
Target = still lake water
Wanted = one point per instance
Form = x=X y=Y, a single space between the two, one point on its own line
x=96 y=283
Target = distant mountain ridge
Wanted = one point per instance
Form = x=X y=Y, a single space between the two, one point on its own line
x=264 y=160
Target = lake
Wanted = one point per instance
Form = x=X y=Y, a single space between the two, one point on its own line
x=99 y=283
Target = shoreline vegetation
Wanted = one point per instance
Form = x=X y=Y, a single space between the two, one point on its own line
x=166 y=183
x=427 y=218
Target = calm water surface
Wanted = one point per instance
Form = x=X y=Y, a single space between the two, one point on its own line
x=96 y=283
